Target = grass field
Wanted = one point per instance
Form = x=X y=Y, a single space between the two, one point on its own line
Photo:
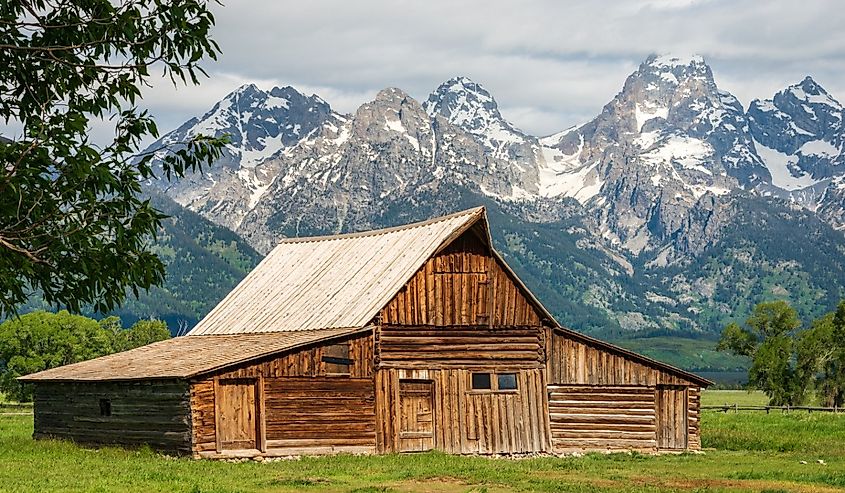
x=753 y=452
x=731 y=397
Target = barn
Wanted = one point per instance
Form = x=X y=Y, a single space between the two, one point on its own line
x=403 y=339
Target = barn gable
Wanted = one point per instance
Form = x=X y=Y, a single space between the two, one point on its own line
x=331 y=281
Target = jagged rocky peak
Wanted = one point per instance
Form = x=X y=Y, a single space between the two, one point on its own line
x=394 y=116
x=799 y=132
x=470 y=107
x=259 y=123
x=467 y=104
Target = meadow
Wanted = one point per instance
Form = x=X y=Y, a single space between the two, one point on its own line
x=743 y=452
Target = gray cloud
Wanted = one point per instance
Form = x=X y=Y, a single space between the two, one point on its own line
x=550 y=64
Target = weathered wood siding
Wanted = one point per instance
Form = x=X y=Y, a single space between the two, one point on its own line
x=693 y=420
x=579 y=364
x=459 y=347
x=308 y=362
x=575 y=362
x=154 y=413
x=320 y=412
x=590 y=417
x=304 y=409
x=671 y=408
x=468 y=421
x=461 y=285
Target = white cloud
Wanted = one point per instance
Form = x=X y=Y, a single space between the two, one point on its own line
x=550 y=64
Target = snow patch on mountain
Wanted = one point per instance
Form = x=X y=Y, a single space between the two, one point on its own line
x=785 y=174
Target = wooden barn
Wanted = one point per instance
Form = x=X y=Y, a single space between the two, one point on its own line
x=398 y=340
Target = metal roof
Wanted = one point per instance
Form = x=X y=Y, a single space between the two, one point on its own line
x=331 y=281
x=184 y=357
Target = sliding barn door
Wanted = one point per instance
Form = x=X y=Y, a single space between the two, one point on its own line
x=416 y=416
x=671 y=410
x=237 y=414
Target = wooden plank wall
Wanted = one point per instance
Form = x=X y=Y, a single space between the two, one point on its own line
x=320 y=412
x=307 y=362
x=467 y=421
x=572 y=362
x=154 y=413
x=575 y=362
x=671 y=407
x=590 y=417
x=459 y=347
x=462 y=285
x=299 y=396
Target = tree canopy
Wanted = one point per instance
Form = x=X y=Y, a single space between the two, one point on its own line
x=73 y=223
x=42 y=340
x=790 y=363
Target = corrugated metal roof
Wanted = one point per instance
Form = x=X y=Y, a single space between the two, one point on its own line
x=184 y=357
x=331 y=281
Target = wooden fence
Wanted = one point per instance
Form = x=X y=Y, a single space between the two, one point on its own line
x=785 y=409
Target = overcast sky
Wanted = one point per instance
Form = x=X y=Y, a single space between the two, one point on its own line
x=549 y=64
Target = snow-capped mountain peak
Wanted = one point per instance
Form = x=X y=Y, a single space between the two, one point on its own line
x=471 y=107
x=811 y=92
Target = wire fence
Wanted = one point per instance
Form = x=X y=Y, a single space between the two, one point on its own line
x=15 y=409
x=784 y=409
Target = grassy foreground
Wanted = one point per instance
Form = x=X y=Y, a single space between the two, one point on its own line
x=754 y=452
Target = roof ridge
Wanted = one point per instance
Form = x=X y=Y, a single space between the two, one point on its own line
x=377 y=232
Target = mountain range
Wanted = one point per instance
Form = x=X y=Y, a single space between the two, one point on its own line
x=672 y=211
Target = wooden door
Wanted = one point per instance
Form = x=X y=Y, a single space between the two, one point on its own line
x=416 y=415
x=671 y=410
x=237 y=414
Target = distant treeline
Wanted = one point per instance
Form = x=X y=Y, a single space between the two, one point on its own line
x=792 y=363
x=42 y=340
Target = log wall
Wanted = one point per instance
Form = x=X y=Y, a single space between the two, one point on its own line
x=589 y=417
x=459 y=347
x=468 y=421
x=461 y=285
x=154 y=413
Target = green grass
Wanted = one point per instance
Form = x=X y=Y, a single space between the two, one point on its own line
x=755 y=452
x=731 y=397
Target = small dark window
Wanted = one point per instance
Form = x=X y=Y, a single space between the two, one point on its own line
x=481 y=381
x=336 y=359
x=507 y=381
x=105 y=407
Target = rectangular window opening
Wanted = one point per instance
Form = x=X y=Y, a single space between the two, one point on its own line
x=336 y=359
x=105 y=407
x=507 y=381
x=481 y=381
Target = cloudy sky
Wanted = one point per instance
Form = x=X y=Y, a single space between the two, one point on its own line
x=550 y=64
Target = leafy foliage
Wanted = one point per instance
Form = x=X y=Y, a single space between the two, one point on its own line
x=72 y=223
x=788 y=364
x=41 y=340
x=203 y=262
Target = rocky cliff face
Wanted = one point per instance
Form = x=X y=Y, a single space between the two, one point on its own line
x=799 y=133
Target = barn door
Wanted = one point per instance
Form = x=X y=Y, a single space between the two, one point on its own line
x=416 y=415
x=671 y=410
x=237 y=409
